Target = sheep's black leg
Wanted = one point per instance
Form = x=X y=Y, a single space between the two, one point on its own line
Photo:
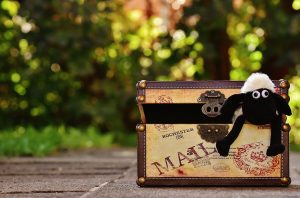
x=223 y=146
x=275 y=144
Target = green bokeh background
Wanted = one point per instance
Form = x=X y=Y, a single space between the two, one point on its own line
x=68 y=68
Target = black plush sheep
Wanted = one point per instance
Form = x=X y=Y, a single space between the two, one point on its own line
x=258 y=104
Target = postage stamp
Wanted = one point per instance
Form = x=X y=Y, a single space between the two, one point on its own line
x=252 y=159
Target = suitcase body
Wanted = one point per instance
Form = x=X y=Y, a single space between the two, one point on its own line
x=180 y=124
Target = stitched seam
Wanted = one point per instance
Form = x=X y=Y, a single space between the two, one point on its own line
x=227 y=87
x=221 y=178
x=282 y=156
x=193 y=87
x=145 y=152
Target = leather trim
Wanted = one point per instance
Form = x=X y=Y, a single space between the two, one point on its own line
x=285 y=141
x=141 y=154
x=222 y=84
x=213 y=182
x=194 y=84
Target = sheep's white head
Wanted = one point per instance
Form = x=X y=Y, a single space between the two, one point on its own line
x=258 y=81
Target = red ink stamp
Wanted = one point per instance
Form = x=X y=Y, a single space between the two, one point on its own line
x=164 y=99
x=164 y=127
x=252 y=159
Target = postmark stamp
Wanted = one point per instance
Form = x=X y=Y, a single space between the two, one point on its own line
x=201 y=162
x=164 y=99
x=164 y=127
x=221 y=167
x=251 y=158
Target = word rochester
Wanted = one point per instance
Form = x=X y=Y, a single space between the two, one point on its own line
x=176 y=133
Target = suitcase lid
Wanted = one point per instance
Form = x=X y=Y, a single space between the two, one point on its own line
x=190 y=101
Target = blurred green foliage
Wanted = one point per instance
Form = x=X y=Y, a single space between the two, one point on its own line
x=75 y=63
x=33 y=142
x=28 y=141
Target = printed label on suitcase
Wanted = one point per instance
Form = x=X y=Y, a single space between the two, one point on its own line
x=179 y=150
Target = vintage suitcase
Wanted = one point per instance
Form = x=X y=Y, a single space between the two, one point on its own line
x=180 y=123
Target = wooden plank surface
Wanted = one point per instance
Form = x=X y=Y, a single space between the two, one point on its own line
x=110 y=173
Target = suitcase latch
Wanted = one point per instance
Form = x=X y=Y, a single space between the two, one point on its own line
x=213 y=100
x=212 y=132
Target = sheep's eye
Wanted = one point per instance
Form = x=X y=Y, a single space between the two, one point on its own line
x=265 y=93
x=255 y=94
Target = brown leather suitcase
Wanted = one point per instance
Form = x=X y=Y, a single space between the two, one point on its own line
x=180 y=123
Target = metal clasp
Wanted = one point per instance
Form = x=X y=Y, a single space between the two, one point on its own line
x=213 y=100
x=212 y=132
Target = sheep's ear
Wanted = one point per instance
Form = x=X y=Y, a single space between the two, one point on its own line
x=282 y=105
x=232 y=103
